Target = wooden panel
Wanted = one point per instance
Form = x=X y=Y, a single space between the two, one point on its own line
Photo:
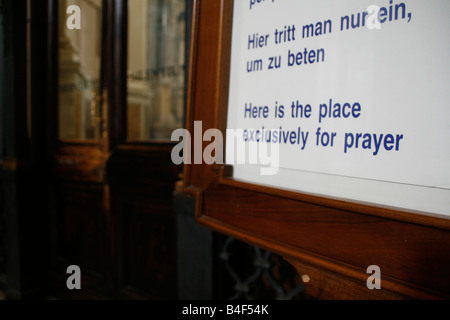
x=83 y=163
x=148 y=252
x=405 y=251
x=80 y=236
x=80 y=217
x=142 y=180
x=333 y=240
x=143 y=167
x=208 y=70
x=112 y=203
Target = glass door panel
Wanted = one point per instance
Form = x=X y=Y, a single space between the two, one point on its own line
x=79 y=72
x=156 y=69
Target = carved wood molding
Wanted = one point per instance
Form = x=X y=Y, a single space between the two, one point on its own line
x=332 y=241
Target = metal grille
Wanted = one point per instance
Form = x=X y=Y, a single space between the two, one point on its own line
x=258 y=274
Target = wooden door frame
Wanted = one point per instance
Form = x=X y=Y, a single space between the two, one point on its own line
x=112 y=88
x=333 y=241
x=112 y=65
x=73 y=164
x=113 y=152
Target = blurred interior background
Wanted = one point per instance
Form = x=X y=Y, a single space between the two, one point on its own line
x=86 y=117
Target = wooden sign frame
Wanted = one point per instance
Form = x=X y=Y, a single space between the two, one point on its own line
x=331 y=240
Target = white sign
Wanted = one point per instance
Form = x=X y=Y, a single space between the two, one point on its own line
x=355 y=96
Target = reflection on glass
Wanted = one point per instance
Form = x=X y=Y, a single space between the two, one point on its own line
x=155 y=77
x=79 y=71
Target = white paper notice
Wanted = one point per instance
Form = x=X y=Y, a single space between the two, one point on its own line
x=354 y=96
